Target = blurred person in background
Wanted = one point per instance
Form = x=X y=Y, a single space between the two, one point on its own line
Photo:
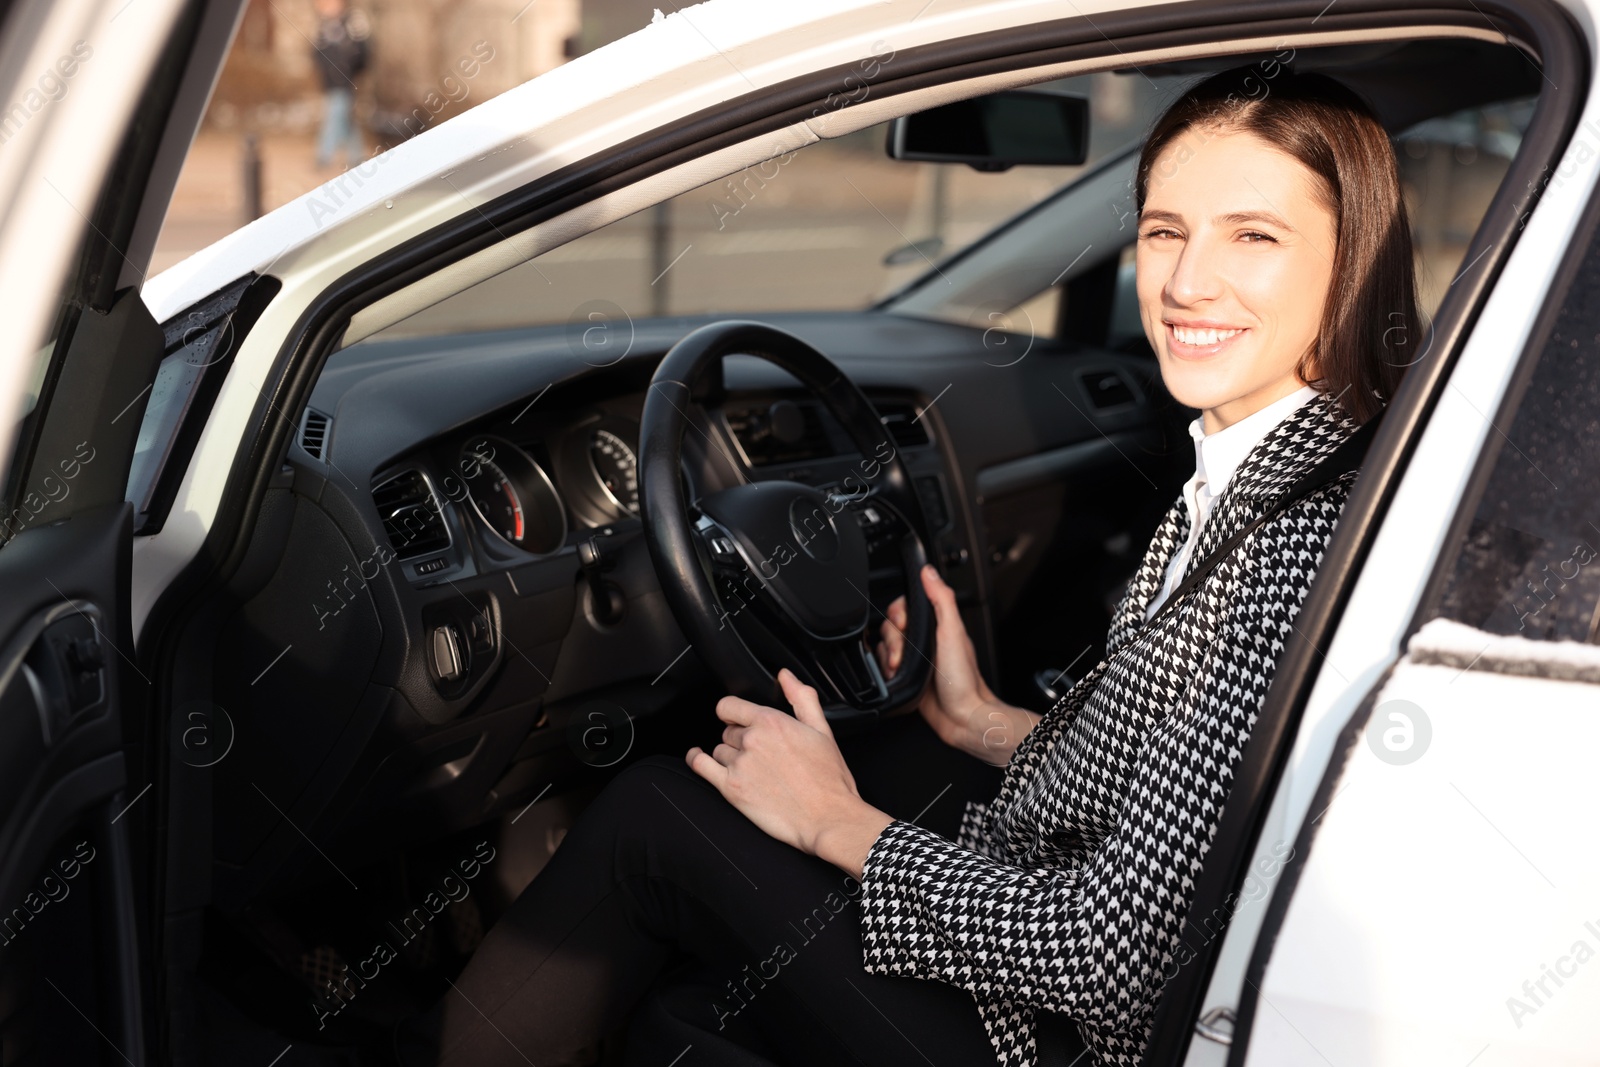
x=341 y=47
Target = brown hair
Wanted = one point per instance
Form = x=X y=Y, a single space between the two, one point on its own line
x=1369 y=330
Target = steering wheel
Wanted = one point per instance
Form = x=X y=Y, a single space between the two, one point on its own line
x=773 y=573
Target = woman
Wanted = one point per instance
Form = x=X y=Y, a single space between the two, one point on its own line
x=1275 y=284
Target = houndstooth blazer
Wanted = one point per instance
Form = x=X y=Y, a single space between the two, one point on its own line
x=1067 y=891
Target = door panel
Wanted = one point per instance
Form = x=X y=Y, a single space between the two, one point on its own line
x=68 y=959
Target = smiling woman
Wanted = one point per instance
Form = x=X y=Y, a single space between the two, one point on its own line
x=1272 y=254
x=1220 y=287
x=1272 y=246
x=1251 y=212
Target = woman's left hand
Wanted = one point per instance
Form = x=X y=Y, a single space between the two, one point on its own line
x=786 y=774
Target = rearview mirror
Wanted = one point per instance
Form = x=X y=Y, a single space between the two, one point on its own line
x=925 y=249
x=997 y=132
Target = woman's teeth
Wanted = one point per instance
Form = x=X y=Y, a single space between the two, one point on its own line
x=1202 y=337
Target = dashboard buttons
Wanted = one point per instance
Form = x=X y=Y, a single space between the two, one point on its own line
x=879 y=522
x=480 y=633
x=720 y=546
x=428 y=566
x=461 y=641
x=447 y=655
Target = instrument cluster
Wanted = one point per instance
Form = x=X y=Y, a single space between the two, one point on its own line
x=526 y=491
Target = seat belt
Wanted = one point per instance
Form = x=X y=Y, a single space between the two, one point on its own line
x=1342 y=460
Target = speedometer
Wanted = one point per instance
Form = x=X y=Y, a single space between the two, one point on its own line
x=616 y=469
x=597 y=467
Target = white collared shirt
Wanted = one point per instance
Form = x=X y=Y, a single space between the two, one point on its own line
x=1216 y=457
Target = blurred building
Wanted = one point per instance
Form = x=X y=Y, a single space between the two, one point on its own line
x=430 y=59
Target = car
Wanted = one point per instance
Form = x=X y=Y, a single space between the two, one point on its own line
x=347 y=559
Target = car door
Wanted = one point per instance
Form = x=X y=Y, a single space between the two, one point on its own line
x=1305 y=943
x=101 y=100
x=1460 y=799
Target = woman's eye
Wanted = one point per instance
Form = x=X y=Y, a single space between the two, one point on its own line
x=1255 y=237
x=1160 y=232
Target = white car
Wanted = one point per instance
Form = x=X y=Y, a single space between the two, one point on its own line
x=365 y=542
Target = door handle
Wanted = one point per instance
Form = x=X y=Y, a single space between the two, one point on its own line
x=65 y=668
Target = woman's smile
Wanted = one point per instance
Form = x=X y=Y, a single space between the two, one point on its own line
x=1199 y=341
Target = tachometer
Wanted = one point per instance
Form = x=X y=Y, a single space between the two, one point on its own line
x=513 y=495
x=616 y=469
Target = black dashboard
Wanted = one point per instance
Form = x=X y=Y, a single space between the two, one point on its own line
x=450 y=565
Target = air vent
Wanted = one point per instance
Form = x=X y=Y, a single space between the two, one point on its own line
x=754 y=427
x=905 y=428
x=410 y=514
x=314 y=433
x=1107 y=389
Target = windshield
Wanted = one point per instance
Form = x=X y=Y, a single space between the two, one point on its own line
x=836 y=225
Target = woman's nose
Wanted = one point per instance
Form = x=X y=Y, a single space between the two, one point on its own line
x=1194 y=276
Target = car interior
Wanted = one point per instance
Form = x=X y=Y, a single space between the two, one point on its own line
x=456 y=619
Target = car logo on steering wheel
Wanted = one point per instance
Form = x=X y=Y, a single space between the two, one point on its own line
x=813 y=528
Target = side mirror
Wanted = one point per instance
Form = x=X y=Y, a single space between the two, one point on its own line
x=997 y=132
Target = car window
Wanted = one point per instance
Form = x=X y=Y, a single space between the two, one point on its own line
x=834 y=225
x=1528 y=562
x=1450 y=168
x=19 y=510
x=1126 y=326
x=199 y=345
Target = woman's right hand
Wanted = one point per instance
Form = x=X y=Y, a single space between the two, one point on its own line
x=959 y=705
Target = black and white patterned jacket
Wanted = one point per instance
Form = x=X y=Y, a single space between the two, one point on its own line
x=1067 y=892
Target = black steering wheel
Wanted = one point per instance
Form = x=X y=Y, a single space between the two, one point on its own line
x=773 y=573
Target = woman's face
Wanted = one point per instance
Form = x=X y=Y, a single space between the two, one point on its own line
x=1233 y=264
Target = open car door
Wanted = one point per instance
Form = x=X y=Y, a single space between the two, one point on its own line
x=101 y=99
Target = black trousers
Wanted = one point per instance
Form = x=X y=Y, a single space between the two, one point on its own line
x=665 y=904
